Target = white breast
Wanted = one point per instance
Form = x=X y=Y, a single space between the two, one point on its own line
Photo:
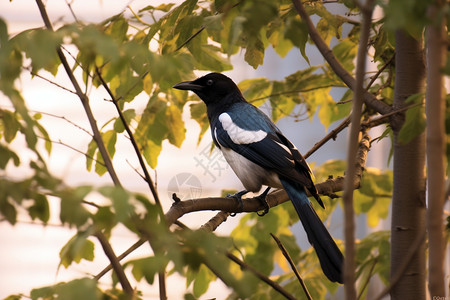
x=250 y=174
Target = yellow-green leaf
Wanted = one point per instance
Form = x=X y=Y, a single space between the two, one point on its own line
x=175 y=123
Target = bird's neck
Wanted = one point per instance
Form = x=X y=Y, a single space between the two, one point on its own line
x=215 y=109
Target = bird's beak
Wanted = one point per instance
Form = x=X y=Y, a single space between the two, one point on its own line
x=187 y=85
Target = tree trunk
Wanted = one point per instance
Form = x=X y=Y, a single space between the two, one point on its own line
x=408 y=203
x=436 y=139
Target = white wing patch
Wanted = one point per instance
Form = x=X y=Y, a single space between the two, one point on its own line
x=238 y=135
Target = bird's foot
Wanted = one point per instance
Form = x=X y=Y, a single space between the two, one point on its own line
x=238 y=197
x=262 y=199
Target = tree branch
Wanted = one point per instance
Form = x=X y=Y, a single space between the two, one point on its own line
x=349 y=214
x=369 y=99
x=148 y=179
x=115 y=263
x=136 y=245
x=84 y=100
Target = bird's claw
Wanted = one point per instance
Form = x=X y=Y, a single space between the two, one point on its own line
x=262 y=199
x=238 y=197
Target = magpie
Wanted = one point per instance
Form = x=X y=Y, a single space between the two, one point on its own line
x=260 y=155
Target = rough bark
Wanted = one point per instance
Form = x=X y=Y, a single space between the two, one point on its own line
x=408 y=203
x=436 y=140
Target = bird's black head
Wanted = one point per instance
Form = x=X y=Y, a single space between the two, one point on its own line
x=211 y=88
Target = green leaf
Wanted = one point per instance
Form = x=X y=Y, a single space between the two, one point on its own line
x=40 y=209
x=123 y=209
x=90 y=153
x=151 y=152
x=147 y=267
x=331 y=111
x=105 y=220
x=100 y=167
x=374 y=246
x=408 y=15
x=256 y=90
x=129 y=115
x=8 y=210
x=13 y=297
x=254 y=52
x=198 y=113
x=40 y=45
x=84 y=288
x=76 y=249
x=415 y=122
x=202 y=280
x=3 y=33
x=6 y=155
x=297 y=33
x=72 y=210
x=148 y=84
x=10 y=125
x=110 y=138
x=345 y=52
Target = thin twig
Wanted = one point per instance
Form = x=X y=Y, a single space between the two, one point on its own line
x=50 y=81
x=190 y=38
x=291 y=92
x=331 y=135
x=382 y=119
x=366 y=283
x=63 y=118
x=69 y=4
x=138 y=17
x=292 y=264
x=261 y=276
x=375 y=77
x=59 y=142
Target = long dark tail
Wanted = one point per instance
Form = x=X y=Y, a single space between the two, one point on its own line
x=330 y=257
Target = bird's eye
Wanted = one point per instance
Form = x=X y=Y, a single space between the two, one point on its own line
x=210 y=82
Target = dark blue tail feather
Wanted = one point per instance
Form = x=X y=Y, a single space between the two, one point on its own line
x=330 y=257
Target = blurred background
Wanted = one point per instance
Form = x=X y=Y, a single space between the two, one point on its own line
x=29 y=252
